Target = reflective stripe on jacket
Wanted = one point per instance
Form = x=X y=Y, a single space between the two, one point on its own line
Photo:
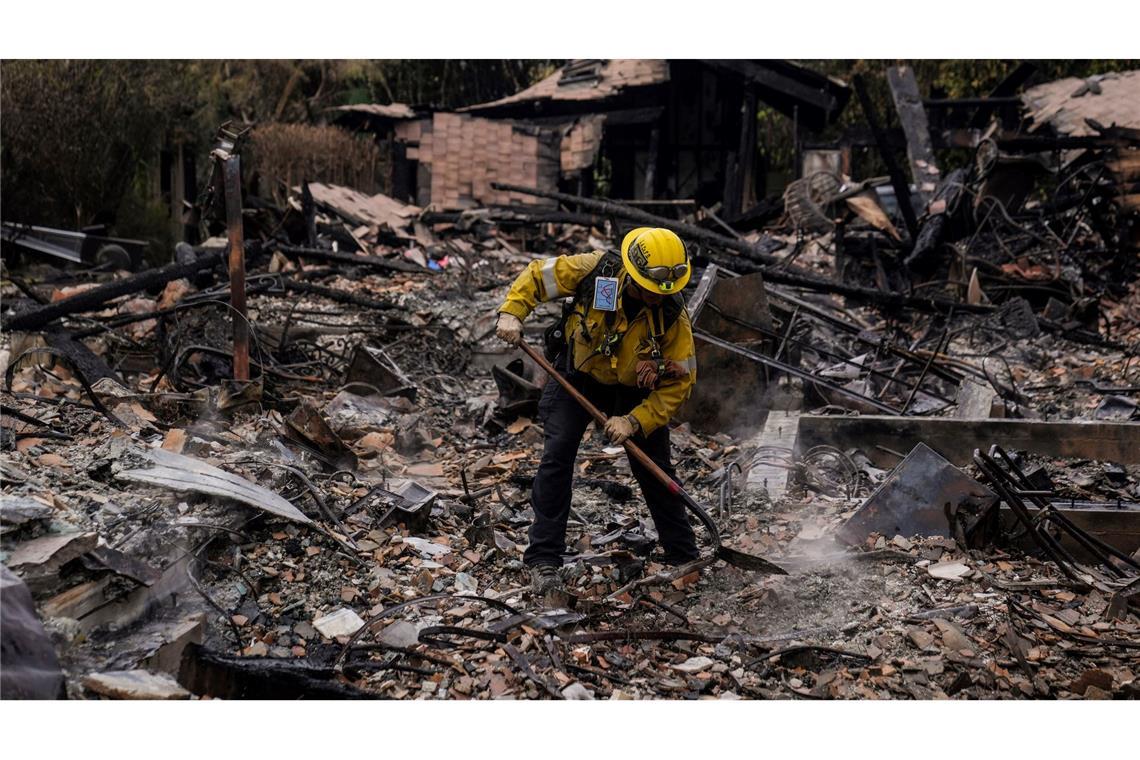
x=558 y=277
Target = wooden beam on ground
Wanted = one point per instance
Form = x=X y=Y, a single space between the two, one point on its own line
x=878 y=435
x=94 y=299
x=373 y=262
x=610 y=208
x=93 y=367
x=523 y=215
x=341 y=296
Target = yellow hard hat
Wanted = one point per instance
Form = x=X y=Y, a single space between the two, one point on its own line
x=656 y=259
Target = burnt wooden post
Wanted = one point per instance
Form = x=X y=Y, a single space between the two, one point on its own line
x=898 y=179
x=309 y=211
x=231 y=188
x=651 y=167
x=740 y=166
x=912 y=117
x=923 y=258
x=797 y=143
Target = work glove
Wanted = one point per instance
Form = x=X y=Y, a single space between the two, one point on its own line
x=621 y=428
x=647 y=373
x=674 y=369
x=509 y=329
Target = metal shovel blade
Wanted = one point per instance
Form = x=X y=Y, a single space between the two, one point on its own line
x=744 y=561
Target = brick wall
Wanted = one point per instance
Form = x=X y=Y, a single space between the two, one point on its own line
x=465 y=154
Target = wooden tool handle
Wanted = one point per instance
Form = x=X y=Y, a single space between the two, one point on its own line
x=633 y=449
x=732 y=556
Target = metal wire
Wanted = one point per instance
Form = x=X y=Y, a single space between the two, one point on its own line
x=812 y=465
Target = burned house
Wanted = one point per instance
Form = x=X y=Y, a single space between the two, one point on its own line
x=920 y=456
x=649 y=129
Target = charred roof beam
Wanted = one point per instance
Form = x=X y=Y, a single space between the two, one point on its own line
x=825 y=96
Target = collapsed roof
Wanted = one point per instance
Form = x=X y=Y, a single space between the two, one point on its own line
x=1067 y=104
x=581 y=85
x=380 y=117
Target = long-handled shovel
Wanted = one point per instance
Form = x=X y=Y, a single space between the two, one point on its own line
x=731 y=556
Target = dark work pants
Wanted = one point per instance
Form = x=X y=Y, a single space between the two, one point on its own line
x=564 y=423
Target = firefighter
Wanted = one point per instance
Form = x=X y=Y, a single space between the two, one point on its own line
x=626 y=342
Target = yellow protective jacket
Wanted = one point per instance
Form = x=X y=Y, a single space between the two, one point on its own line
x=558 y=277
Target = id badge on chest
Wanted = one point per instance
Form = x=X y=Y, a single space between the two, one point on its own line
x=606 y=293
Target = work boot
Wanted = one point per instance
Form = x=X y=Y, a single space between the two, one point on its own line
x=543 y=580
x=546 y=586
x=676 y=560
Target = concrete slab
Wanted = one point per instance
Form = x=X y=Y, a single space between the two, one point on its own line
x=977 y=401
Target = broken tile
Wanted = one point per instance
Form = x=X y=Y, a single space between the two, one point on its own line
x=694 y=664
x=949 y=571
x=400 y=634
x=919 y=637
x=339 y=622
x=577 y=691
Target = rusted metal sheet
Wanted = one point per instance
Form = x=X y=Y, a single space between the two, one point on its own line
x=917 y=499
x=306 y=426
x=373 y=369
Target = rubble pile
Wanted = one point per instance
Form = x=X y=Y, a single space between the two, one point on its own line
x=934 y=432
